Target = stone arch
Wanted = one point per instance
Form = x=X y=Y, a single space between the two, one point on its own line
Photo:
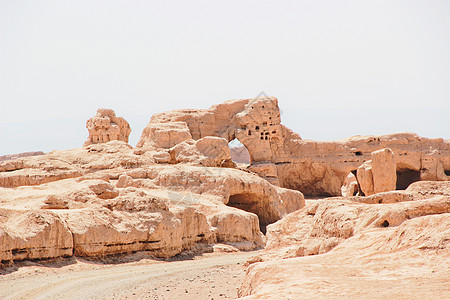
x=239 y=152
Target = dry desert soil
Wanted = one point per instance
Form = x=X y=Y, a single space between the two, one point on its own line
x=215 y=275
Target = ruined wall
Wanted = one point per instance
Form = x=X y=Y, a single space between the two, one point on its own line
x=279 y=155
x=320 y=168
x=105 y=126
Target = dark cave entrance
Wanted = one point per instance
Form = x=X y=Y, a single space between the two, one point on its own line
x=406 y=177
x=254 y=204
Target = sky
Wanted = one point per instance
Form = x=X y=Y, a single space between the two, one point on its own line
x=338 y=68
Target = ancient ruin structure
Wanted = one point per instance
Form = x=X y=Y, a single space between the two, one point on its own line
x=177 y=189
x=378 y=174
x=284 y=159
x=180 y=190
x=105 y=127
x=183 y=158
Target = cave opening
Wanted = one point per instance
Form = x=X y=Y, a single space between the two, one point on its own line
x=406 y=177
x=251 y=203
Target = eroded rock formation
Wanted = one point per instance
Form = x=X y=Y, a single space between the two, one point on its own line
x=378 y=174
x=109 y=198
x=362 y=242
x=350 y=186
x=283 y=158
x=105 y=126
x=325 y=223
x=179 y=187
x=18 y=155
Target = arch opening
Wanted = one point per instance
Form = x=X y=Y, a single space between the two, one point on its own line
x=239 y=153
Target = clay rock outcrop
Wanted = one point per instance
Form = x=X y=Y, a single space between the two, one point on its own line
x=367 y=239
x=229 y=186
x=108 y=198
x=33 y=234
x=105 y=126
x=164 y=135
x=402 y=262
x=259 y=127
x=179 y=186
x=320 y=168
x=18 y=155
x=378 y=174
x=207 y=151
x=280 y=156
x=324 y=224
x=350 y=186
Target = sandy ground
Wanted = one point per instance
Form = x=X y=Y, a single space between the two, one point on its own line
x=214 y=275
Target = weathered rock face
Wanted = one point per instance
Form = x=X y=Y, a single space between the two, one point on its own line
x=259 y=127
x=180 y=187
x=32 y=234
x=208 y=151
x=283 y=158
x=350 y=186
x=164 y=135
x=350 y=247
x=320 y=168
x=105 y=127
x=378 y=174
x=108 y=198
x=324 y=224
x=402 y=262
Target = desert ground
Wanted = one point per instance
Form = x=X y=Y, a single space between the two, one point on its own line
x=214 y=275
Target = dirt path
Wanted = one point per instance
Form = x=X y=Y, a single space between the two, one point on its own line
x=209 y=276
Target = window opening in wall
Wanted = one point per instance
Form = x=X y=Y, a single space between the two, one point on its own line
x=239 y=153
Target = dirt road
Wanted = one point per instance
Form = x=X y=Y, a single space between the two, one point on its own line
x=209 y=276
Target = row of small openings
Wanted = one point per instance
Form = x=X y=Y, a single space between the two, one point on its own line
x=262 y=133
x=265 y=135
x=261 y=107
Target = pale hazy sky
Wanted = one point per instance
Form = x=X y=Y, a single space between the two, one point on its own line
x=338 y=68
